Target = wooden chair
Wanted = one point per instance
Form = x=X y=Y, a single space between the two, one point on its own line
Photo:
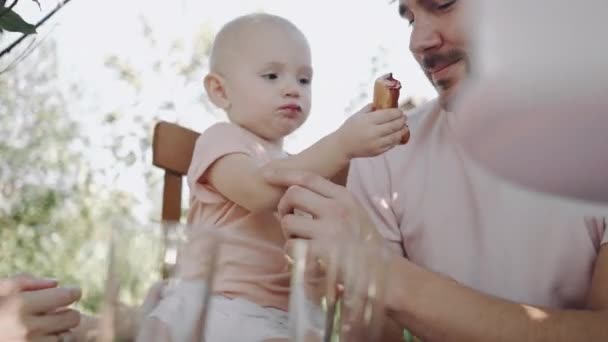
x=172 y=147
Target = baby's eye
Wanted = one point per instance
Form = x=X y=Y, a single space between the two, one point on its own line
x=270 y=76
x=305 y=80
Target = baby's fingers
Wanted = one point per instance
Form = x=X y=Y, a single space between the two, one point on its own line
x=368 y=108
x=391 y=127
x=391 y=140
x=386 y=115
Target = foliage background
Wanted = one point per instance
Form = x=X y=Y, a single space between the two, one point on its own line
x=56 y=210
x=60 y=190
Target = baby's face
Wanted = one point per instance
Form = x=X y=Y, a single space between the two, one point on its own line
x=269 y=85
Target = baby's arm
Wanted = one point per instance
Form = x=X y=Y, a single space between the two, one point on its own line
x=341 y=177
x=365 y=134
x=237 y=177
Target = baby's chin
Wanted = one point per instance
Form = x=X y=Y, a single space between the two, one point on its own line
x=278 y=134
x=286 y=128
x=277 y=130
x=273 y=134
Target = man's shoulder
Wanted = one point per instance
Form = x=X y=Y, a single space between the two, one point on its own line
x=417 y=119
x=417 y=115
x=394 y=159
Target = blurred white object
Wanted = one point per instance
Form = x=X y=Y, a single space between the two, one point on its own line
x=537 y=109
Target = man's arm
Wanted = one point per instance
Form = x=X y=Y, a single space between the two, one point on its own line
x=434 y=307
x=439 y=309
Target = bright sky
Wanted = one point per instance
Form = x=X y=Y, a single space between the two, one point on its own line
x=344 y=36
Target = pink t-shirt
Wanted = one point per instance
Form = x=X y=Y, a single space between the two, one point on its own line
x=254 y=272
x=445 y=213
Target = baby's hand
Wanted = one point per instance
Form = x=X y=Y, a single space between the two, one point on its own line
x=369 y=133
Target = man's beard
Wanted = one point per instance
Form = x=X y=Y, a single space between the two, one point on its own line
x=432 y=60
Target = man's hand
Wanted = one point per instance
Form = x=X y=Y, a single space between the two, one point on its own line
x=333 y=211
x=130 y=320
x=35 y=309
x=339 y=230
x=369 y=133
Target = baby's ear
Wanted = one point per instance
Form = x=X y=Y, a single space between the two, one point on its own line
x=215 y=86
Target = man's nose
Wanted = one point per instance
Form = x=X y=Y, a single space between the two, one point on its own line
x=425 y=36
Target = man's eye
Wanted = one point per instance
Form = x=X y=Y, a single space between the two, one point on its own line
x=406 y=14
x=270 y=76
x=446 y=5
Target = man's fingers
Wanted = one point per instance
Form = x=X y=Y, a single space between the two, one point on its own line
x=24 y=282
x=47 y=300
x=297 y=198
x=289 y=177
x=305 y=179
x=301 y=227
x=54 y=323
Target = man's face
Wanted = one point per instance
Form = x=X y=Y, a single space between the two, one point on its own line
x=438 y=42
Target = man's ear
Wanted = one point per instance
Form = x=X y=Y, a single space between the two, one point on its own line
x=215 y=85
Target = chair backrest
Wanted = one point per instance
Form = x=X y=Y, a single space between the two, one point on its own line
x=172 y=147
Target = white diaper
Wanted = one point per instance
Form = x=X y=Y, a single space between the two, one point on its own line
x=180 y=308
x=236 y=320
x=228 y=320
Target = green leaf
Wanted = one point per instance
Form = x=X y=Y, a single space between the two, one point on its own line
x=11 y=21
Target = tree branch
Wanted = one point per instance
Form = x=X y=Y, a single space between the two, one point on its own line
x=26 y=52
x=9 y=8
x=38 y=24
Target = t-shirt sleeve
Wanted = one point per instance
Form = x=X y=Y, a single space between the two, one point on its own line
x=368 y=180
x=217 y=141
